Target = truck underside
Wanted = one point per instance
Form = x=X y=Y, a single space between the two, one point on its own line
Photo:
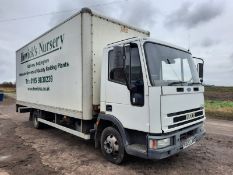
x=134 y=142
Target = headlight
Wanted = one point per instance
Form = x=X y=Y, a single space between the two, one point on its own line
x=164 y=143
x=157 y=144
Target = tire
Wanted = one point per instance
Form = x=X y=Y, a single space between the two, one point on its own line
x=112 y=145
x=36 y=123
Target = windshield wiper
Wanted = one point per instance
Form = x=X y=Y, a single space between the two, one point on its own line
x=194 y=83
x=176 y=82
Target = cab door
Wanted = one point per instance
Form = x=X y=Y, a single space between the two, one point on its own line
x=130 y=107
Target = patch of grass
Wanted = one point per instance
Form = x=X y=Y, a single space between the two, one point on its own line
x=218 y=103
x=219 y=109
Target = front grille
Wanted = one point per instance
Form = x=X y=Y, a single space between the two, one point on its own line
x=184 y=117
x=185 y=122
x=188 y=134
x=183 y=112
x=198 y=113
x=180 y=118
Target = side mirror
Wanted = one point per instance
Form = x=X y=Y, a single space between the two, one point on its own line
x=200 y=71
x=137 y=99
x=133 y=88
x=200 y=67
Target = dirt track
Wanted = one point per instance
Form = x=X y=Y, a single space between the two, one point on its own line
x=25 y=150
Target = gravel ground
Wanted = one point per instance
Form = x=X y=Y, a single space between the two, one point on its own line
x=25 y=150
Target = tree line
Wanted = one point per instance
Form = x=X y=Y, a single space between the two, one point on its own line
x=7 y=85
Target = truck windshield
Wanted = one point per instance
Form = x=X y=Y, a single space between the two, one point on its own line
x=169 y=66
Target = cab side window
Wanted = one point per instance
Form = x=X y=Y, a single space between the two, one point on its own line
x=131 y=72
x=133 y=68
x=115 y=68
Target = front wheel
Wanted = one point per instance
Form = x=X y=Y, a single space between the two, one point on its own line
x=112 y=145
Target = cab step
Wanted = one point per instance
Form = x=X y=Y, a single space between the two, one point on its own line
x=137 y=149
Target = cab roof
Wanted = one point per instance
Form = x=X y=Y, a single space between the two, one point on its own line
x=147 y=39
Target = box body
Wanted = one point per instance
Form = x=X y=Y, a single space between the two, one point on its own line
x=60 y=71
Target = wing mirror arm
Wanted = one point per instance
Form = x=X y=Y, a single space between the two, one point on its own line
x=125 y=74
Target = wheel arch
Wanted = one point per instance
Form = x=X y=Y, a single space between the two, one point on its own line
x=105 y=120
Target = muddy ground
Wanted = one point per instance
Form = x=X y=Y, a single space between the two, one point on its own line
x=25 y=150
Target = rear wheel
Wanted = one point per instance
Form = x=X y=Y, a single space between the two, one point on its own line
x=112 y=145
x=35 y=121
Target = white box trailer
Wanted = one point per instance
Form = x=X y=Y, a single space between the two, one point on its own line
x=97 y=78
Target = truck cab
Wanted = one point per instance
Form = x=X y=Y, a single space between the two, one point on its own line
x=152 y=96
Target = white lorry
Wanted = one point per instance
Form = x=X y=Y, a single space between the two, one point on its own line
x=100 y=79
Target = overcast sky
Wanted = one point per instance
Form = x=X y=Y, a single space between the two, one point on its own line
x=204 y=26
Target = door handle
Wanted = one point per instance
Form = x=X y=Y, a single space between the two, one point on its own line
x=109 y=108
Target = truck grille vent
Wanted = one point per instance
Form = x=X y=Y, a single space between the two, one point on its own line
x=185 y=122
x=183 y=112
x=184 y=117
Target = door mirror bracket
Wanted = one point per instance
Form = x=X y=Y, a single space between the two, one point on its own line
x=137 y=99
x=200 y=69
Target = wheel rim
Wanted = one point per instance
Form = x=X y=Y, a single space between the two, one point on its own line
x=111 y=145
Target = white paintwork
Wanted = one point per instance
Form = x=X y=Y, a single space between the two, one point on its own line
x=118 y=96
x=154 y=109
x=66 y=89
x=105 y=32
x=171 y=90
x=176 y=103
x=104 y=77
x=87 y=65
x=56 y=110
x=165 y=100
x=181 y=102
x=131 y=117
x=75 y=88
x=71 y=131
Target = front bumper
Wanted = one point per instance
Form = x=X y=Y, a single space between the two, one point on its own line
x=197 y=133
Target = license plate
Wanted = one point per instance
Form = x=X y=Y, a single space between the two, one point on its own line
x=188 y=142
